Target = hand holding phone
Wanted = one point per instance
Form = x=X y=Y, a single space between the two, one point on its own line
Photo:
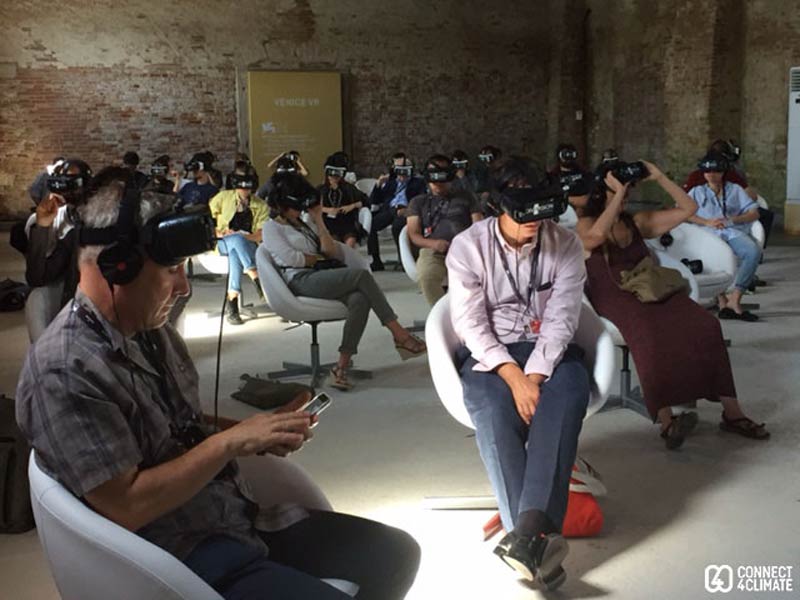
x=316 y=405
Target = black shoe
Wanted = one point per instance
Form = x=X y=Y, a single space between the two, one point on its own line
x=537 y=559
x=376 y=265
x=259 y=291
x=232 y=312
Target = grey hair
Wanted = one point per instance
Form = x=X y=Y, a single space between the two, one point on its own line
x=102 y=210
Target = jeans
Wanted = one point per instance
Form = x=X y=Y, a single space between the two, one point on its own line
x=380 y=220
x=749 y=254
x=356 y=288
x=529 y=467
x=381 y=560
x=241 y=254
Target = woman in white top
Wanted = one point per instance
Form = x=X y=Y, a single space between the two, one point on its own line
x=310 y=260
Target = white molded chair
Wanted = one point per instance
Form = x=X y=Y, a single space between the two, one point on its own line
x=365 y=219
x=442 y=342
x=758 y=233
x=366 y=184
x=213 y=262
x=41 y=307
x=93 y=558
x=407 y=255
x=304 y=309
x=719 y=262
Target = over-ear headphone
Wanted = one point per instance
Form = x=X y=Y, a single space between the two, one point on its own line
x=122 y=261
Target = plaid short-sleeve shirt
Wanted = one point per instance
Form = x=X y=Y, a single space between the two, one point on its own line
x=93 y=406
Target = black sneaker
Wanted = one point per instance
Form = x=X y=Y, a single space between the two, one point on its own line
x=537 y=559
x=232 y=311
x=259 y=291
x=376 y=265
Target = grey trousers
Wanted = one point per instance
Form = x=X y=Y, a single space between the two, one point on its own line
x=356 y=288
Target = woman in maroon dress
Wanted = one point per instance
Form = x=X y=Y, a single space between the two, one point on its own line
x=677 y=345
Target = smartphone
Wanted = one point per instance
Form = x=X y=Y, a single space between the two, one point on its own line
x=317 y=404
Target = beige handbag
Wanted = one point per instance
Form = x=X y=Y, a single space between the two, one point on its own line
x=650 y=282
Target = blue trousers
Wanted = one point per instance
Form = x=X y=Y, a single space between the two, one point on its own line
x=749 y=254
x=241 y=254
x=381 y=560
x=529 y=467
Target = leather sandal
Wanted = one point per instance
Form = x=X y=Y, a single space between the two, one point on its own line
x=338 y=379
x=680 y=426
x=744 y=426
x=410 y=347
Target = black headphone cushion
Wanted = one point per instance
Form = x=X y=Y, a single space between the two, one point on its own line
x=120 y=263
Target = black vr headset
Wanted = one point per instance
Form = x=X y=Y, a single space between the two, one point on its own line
x=246 y=181
x=567 y=154
x=406 y=170
x=300 y=203
x=197 y=163
x=713 y=163
x=168 y=239
x=61 y=182
x=623 y=171
x=486 y=157
x=158 y=170
x=333 y=171
x=526 y=205
x=576 y=183
x=437 y=174
x=460 y=164
x=284 y=165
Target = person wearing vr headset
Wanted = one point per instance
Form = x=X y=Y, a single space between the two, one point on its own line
x=51 y=253
x=160 y=172
x=293 y=157
x=389 y=200
x=341 y=202
x=515 y=288
x=434 y=219
x=241 y=162
x=310 y=260
x=38 y=190
x=240 y=215
x=725 y=209
x=573 y=176
x=465 y=180
x=677 y=345
x=283 y=166
x=202 y=188
x=487 y=159
x=109 y=399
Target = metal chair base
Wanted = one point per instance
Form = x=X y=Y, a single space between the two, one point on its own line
x=631 y=399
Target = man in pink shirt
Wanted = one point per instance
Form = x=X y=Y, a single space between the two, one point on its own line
x=515 y=288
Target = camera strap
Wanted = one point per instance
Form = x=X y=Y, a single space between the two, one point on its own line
x=534 y=266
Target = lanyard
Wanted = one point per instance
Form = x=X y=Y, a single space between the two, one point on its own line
x=534 y=265
x=335 y=197
x=724 y=204
x=434 y=216
x=307 y=233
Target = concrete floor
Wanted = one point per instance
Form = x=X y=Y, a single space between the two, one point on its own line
x=382 y=448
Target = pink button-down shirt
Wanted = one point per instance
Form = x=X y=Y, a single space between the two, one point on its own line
x=487 y=313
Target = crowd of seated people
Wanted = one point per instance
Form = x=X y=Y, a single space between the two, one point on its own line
x=515 y=283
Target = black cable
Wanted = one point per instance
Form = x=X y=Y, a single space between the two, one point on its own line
x=219 y=351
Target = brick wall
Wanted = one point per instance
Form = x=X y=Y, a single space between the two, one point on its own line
x=103 y=78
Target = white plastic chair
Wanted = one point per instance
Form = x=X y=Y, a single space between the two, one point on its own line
x=366 y=184
x=719 y=262
x=41 y=307
x=213 y=262
x=365 y=219
x=569 y=219
x=758 y=233
x=93 y=558
x=407 y=255
x=304 y=309
x=442 y=342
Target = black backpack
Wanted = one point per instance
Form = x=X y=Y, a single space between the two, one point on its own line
x=16 y=514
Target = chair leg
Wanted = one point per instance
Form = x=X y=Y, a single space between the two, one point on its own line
x=459 y=503
x=417 y=327
x=628 y=398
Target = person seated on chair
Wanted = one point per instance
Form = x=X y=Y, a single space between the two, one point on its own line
x=676 y=344
x=569 y=171
x=240 y=215
x=292 y=156
x=389 y=200
x=201 y=188
x=51 y=253
x=465 y=179
x=487 y=160
x=726 y=210
x=130 y=161
x=310 y=261
x=515 y=288
x=109 y=400
x=341 y=202
x=283 y=165
x=160 y=172
x=434 y=219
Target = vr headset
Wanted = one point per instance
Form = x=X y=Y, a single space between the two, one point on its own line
x=567 y=155
x=713 y=163
x=576 y=183
x=61 y=182
x=404 y=170
x=436 y=174
x=194 y=165
x=526 y=205
x=168 y=239
x=291 y=156
x=158 y=170
x=624 y=172
x=486 y=157
x=331 y=171
x=300 y=203
x=460 y=164
x=244 y=182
